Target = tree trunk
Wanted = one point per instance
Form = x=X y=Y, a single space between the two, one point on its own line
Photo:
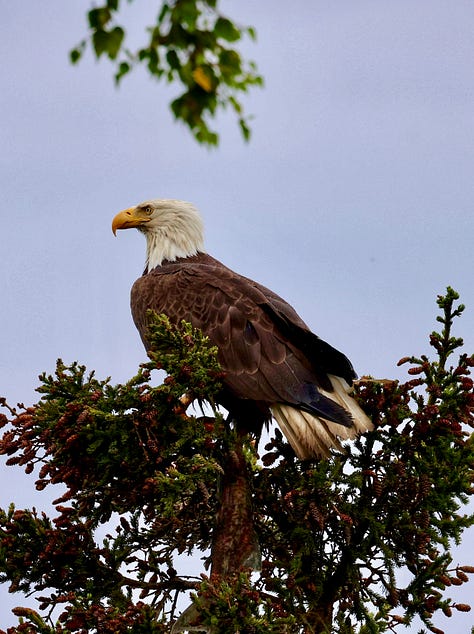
x=234 y=544
x=234 y=541
x=319 y=620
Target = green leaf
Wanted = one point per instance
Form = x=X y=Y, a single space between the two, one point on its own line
x=165 y=9
x=173 y=59
x=108 y=42
x=252 y=33
x=227 y=30
x=229 y=61
x=115 y=41
x=123 y=69
x=153 y=62
x=235 y=105
x=244 y=128
x=100 y=42
x=98 y=18
x=206 y=136
x=186 y=12
x=75 y=55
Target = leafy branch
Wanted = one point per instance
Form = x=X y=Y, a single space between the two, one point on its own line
x=192 y=45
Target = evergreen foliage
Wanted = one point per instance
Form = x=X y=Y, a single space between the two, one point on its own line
x=360 y=543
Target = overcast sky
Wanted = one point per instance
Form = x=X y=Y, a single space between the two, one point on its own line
x=354 y=199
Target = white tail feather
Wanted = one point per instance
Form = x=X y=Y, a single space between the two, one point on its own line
x=311 y=435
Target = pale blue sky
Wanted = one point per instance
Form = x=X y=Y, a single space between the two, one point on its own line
x=354 y=199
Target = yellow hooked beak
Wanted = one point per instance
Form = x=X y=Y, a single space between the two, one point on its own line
x=127 y=219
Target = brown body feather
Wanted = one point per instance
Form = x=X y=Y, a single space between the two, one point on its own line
x=272 y=361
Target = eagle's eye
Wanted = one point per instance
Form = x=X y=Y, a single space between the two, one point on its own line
x=148 y=210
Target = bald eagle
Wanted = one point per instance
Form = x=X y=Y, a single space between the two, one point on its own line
x=273 y=364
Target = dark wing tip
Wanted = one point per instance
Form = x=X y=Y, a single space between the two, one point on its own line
x=316 y=403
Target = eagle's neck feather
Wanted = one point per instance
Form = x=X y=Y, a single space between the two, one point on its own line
x=174 y=230
x=170 y=245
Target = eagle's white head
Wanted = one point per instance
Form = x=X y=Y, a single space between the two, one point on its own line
x=173 y=229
